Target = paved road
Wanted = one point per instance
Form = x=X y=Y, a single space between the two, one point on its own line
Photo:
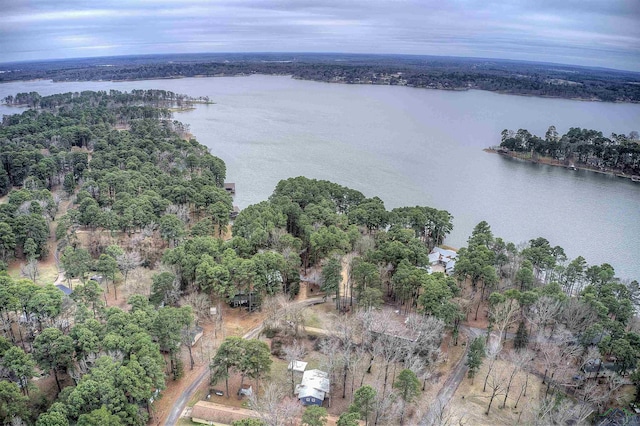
x=181 y=402
x=453 y=381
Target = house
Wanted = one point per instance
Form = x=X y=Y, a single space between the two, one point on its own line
x=444 y=257
x=313 y=388
x=441 y=256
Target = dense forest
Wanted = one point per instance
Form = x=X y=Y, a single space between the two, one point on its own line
x=115 y=191
x=522 y=78
x=580 y=147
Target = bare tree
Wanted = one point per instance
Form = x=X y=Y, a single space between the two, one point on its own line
x=127 y=262
x=31 y=270
x=275 y=407
x=440 y=414
x=497 y=385
x=503 y=315
x=294 y=353
x=542 y=313
x=492 y=351
x=577 y=316
x=518 y=361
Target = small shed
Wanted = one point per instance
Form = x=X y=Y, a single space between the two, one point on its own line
x=230 y=187
x=196 y=334
x=245 y=390
x=298 y=366
x=63 y=288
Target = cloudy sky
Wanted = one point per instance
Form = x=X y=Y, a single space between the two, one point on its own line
x=584 y=32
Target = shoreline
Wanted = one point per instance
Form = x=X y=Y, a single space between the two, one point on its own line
x=556 y=163
x=294 y=77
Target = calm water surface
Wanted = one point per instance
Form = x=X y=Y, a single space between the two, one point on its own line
x=413 y=147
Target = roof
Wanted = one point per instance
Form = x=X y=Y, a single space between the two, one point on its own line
x=315 y=379
x=307 y=392
x=445 y=252
x=63 y=288
x=298 y=366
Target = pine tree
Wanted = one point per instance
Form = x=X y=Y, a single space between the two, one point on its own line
x=475 y=356
x=522 y=337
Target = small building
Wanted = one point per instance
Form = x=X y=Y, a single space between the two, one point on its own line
x=250 y=300
x=196 y=334
x=298 y=366
x=234 y=212
x=230 y=187
x=313 y=388
x=245 y=390
x=63 y=288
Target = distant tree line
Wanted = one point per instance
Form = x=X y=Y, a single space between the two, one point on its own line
x=428 y=72
x=581 y=147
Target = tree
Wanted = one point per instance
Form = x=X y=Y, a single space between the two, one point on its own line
x=475 y=356
x=165 y=289
x=76 y=263
x=108 y=267
x=521 y=340
x=331 y=278
x=172 y=228
x=293 y=353
x=364 y=402
x=348 y=419
x=53 y=350
x=127 y=262
x=275 y=407
x=12 y=403
x=314 y=416
x=226 y=359
x=20 y=365
x=52 y=418
x=409 y=387
x=100 y=417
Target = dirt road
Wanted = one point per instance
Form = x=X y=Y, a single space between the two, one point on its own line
x=451 y=384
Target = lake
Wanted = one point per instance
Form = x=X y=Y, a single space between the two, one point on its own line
x=413 y=147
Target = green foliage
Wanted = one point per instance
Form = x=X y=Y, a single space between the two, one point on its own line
x=475 y=356
x=248 y=422
x=364 y=400
x=408 y=385
x=521 y=340
x=12 y=403
x=314 y=416
x=349 y=419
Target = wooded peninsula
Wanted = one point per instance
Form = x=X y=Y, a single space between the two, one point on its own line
x=577 y=149
x=123 y=279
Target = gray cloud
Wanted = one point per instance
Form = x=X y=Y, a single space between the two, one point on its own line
x=586 y=32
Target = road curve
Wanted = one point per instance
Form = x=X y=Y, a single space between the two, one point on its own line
x=181 y=402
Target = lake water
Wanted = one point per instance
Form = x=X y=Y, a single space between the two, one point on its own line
x=413 y=147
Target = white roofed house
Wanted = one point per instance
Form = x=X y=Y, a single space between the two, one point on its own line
x=313 y=388
x=443 y=257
